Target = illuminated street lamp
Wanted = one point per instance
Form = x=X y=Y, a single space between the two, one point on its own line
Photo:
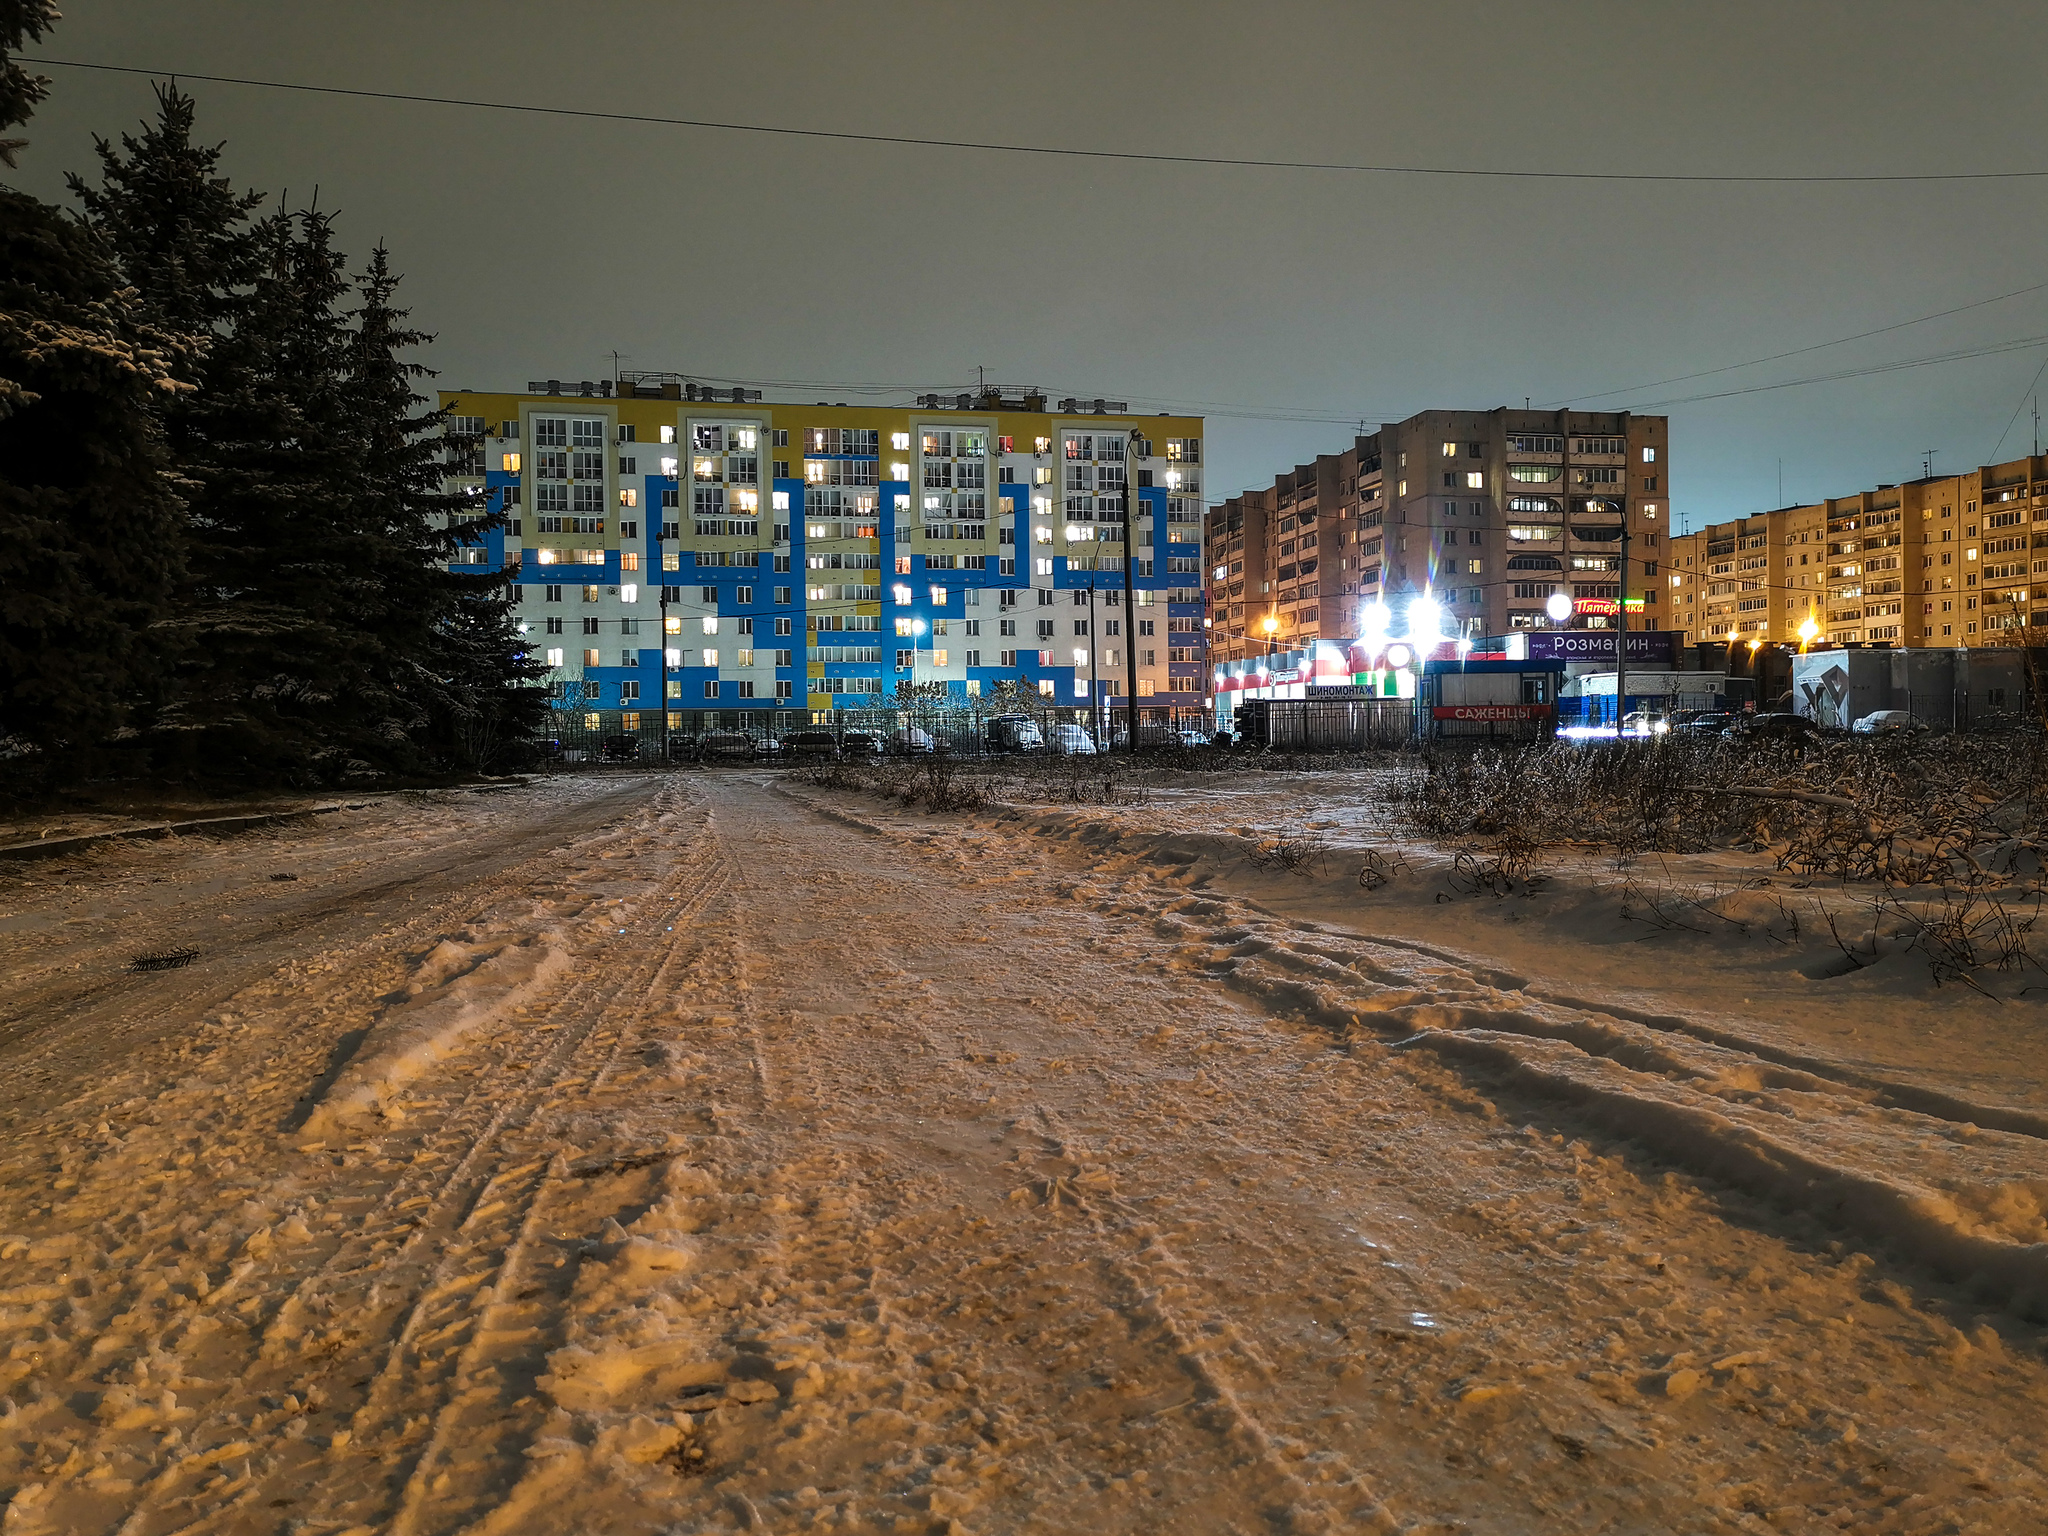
x=1373 y=624
x=1559 y=607
x=1807 y=631
x=1424 y=617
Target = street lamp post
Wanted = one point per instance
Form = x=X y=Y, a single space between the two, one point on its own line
x=1130 y=590
x=1621 y=639
x=660 y=573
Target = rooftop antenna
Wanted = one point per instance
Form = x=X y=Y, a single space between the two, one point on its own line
x=1781 y=480
x=2037 y=426
x=615 y=367
x=1927 y=462
x=980 y=380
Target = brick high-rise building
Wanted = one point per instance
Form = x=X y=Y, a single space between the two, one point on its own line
x=1943 y=561
x=1489 y=512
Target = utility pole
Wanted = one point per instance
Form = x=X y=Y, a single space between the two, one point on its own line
x=661 y=575
x=1130 y=589
x=1095 y=710
x=1621 y=636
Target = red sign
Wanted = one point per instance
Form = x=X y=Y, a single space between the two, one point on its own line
x=1604 y=605
x=1490 y=712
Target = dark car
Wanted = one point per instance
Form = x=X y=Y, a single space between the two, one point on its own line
x=726 y=747
x=858 y=744
x=799 y=746
x=621 y=749
x=1773 y=726
x=1708 y=723
x=1015 y=733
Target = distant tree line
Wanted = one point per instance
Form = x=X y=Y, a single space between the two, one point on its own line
x=224 y=541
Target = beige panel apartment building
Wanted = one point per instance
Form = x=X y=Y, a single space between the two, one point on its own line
x=1944 y=561
x=1490 y=512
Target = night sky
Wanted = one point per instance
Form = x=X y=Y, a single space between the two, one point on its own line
x=1284 y=304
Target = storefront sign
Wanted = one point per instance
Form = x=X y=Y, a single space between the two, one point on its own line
x=1490 y=711
x=1597 y=645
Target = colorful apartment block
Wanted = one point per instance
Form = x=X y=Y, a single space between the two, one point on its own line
x=760 y=556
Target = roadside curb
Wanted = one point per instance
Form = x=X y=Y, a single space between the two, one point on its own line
x=207 y=826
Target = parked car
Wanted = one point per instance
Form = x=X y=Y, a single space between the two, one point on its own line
x=726 y=747
x=1886 y=722
x=1073 y=740
x=909 y=741
x=860 y=744
x=1014 y=733
x=799 y=746
x=621 y=749
x=1711 y=722
x=1644 y=722
x=1773 y=725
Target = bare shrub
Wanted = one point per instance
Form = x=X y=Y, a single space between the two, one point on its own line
x=1299 y=853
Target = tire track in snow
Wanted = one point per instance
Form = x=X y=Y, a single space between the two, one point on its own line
x=481 y=1432
x=416 y=1211
x=1821 y=1141
x=1145 y=1276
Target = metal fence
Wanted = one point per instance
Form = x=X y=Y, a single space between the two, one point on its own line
x=578 y=736
x=1326 y=725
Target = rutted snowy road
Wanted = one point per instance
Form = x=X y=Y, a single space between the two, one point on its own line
x=768 y=1160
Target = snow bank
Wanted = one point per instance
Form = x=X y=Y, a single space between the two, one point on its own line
x=1724 y=1099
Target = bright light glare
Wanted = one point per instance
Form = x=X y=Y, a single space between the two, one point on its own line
x=917 y=626
x=1375 y=622
x=1424 y=615
x=1559 y=607
x=1808 y=630
x=1398 y=656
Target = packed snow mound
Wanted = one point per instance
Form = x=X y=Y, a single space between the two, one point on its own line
x=458 y=988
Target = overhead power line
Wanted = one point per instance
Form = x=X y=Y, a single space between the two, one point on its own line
x=1818 y=346
x=1961 y=354
x=997 y=147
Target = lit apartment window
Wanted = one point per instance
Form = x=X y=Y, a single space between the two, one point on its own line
x=900 y=441
x=555 y=657
x=668 y=435
x=1450 y=450
x=710 y=622
x=1475 y=480
x=1649 y=455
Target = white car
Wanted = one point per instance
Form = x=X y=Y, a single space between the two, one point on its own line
x=1883 y=722
x=1073 y=740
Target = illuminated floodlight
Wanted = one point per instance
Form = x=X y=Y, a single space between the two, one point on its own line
x=1374 y=622
x=1424 y=617
x=1398 y=656
x=916 y=627
x=1559 y=607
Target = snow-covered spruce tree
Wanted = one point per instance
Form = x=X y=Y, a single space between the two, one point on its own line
x=89 y=518
x=443 y=641
x=273 y=684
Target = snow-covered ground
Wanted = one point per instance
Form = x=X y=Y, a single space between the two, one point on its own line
x=631 y=1154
